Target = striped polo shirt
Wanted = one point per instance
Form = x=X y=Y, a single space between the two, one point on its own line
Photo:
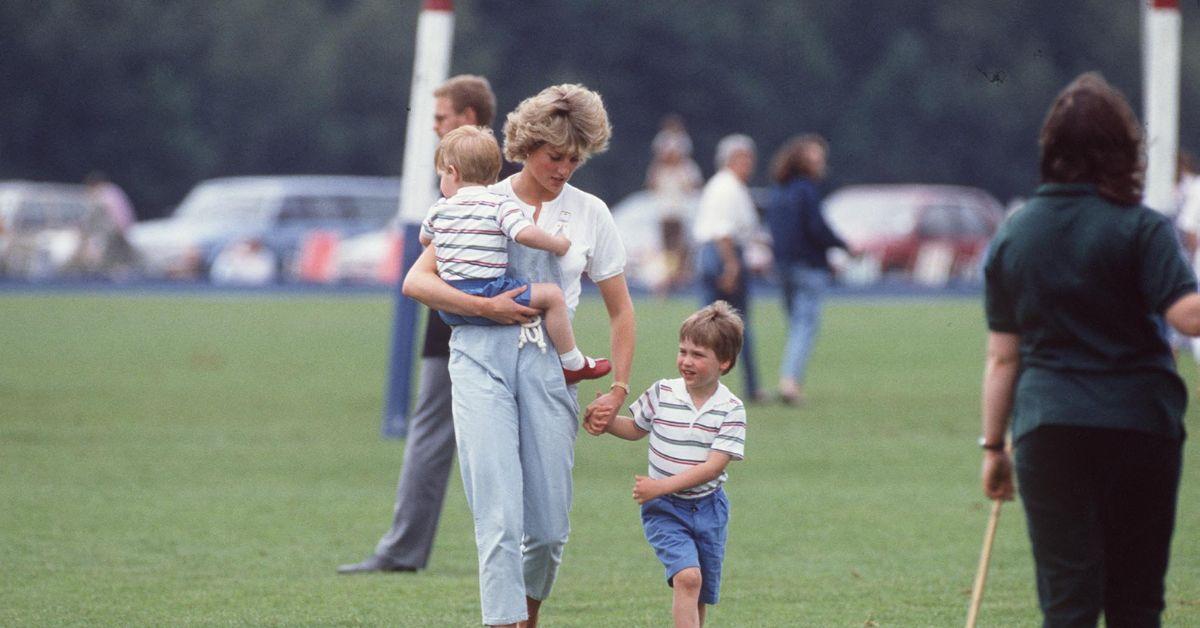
x=681 y=435
x=470 y=233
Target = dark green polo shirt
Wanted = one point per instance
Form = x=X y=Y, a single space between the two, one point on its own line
x=1084 y=283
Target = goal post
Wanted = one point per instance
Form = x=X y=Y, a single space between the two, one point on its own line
x=431 y=65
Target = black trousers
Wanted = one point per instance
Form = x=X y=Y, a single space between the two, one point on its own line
x=1100 y=507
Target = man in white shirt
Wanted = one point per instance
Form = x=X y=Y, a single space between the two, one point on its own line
x=725 y=223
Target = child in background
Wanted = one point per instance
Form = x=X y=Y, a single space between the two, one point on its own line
x=696 y=427
x=469 y=230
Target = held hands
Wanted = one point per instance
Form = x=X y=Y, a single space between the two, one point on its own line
x=601 y=411
x=645 y=489
x=997 y=475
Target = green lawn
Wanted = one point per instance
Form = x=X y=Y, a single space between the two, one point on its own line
x=209 y=460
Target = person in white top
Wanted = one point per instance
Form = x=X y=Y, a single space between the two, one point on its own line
x=515 y=418
x=470 y=229
x=725 y=223
x=696 y=427
x=1187 y=203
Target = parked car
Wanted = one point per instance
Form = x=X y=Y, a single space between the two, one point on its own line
x=369 y=258
x=50 y=230
x=931 y=234
x=279 y=213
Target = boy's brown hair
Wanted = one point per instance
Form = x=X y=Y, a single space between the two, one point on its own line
x=718 y=327
x=473 y=151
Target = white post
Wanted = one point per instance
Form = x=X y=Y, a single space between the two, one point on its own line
x=1160 y=63
x=435 y=34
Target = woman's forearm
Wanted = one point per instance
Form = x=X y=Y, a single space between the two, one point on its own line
x=622 y=326
x=423 y=284
x=999 y=384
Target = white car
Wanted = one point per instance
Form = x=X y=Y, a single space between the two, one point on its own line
x=281 y=213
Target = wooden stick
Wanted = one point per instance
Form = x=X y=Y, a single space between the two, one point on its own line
x=984 y=558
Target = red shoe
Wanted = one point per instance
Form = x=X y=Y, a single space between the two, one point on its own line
x=593 y=368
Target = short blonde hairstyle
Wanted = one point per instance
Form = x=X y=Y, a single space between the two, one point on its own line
x=473 y=151
x=570 y=118
x=717 y=327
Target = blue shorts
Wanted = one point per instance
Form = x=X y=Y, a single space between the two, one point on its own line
x=485 y=288
x=689 y=533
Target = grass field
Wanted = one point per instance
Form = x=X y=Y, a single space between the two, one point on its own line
x=208 y=460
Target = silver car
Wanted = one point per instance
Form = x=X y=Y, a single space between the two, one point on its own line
x=279 y=213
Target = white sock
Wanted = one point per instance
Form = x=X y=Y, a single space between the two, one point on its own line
x=572 y=360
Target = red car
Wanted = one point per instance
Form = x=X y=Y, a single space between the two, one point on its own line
x=928 y=233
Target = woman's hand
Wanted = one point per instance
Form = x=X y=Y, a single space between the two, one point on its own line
x=504 y=309
x=997 y=475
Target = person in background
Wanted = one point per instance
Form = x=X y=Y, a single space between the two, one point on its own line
x=245 y=263
x=800 y=240
x=112 y=198
x=429 y=449
x=673 y=178
x=726 y=222
x=1079 y=283
x=104 y=249
x=1187 y=200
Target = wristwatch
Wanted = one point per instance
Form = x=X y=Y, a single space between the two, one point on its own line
x=996 y=447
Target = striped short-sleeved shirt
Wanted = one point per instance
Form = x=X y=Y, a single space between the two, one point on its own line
x=470 y=233
x=681 y=435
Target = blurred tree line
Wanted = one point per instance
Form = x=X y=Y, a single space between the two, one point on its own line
x=161 y=94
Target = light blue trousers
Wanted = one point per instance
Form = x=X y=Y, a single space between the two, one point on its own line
x=515 y=420
x=803 y=292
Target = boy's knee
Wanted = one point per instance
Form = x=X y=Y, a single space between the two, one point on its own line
x=688 y=580
x=554 y=294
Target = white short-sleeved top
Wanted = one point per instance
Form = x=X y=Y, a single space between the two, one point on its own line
x=726 y=210
x=596 y=246
x=682 y=435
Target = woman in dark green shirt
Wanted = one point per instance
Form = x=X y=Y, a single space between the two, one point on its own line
x=1079 y=283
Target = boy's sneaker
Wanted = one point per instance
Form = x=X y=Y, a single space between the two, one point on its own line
x=593 y=368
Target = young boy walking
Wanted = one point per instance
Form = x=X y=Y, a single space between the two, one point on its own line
x=469 y=230
x=696 y=427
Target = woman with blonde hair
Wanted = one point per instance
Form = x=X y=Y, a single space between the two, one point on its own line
x=1079 y=284
x=515 y=418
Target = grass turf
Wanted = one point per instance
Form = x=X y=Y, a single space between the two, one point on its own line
x=204 y=460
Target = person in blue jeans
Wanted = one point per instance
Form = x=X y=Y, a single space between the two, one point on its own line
x=801 y=238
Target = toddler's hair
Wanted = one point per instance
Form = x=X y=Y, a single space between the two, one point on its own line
x=473 y=151
x=718 y=327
